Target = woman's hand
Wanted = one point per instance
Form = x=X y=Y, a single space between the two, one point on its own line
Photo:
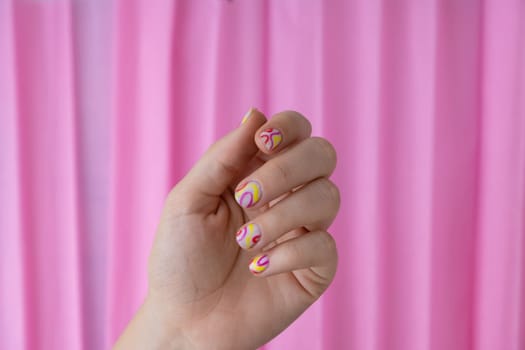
x=242 y=249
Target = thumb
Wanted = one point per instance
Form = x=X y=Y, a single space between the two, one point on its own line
x=225 y=159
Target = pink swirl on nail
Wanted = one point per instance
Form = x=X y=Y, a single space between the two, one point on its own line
x=241 y=233
x=248 y=194
x=271 y=138
x=259 y=264
x=248 y=236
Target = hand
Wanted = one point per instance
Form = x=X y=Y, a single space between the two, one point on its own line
x=242 y=249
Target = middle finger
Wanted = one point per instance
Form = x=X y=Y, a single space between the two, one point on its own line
x=312 y=158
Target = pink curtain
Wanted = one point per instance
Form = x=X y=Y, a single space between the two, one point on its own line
x=104 y=105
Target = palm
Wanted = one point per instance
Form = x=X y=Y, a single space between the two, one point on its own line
x=219 y=294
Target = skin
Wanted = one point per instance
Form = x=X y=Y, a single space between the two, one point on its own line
x=202 y=295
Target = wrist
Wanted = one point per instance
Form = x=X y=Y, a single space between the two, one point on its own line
x=150 y=328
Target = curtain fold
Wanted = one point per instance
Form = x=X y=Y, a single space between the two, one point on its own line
x=105 y=105
x=500 y=243
x=91 y=22
x=12 y=320
x=47 y=146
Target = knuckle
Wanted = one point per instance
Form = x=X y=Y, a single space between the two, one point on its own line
x=174 y=206
x=327 y=242
x=301 y=119
x=295 y=252
x=329 y=191
x=280 y=169
x=294 y=114
x=176 y=202
x=227 y=168
x=327 y=150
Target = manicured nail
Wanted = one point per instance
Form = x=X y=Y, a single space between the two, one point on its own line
x=248 y=194
x=259 y=264
x=247 y=115
x=271 y=138
x=248 y=236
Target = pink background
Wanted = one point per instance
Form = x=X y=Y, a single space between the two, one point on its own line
x=104 y=105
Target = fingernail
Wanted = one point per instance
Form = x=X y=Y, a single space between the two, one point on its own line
x=247 y=115
x=271 y=138
x=259 y=264
x=248 y=194
x=248 y=236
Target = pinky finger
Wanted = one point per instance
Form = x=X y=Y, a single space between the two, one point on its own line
x=315 y=250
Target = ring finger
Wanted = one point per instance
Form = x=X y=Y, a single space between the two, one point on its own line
x=313 y=207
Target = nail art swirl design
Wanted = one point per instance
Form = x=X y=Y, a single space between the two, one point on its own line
x=271 y=138
x=248 y=194
x=259 y=264
x=248 y=236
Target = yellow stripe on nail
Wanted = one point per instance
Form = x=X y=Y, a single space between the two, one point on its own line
x=247 y=115
x=259 y=264
x=248 y=194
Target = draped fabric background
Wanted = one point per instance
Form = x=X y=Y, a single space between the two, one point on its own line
x=104 y=105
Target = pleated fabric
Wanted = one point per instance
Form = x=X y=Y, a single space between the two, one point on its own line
x=105 y=105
